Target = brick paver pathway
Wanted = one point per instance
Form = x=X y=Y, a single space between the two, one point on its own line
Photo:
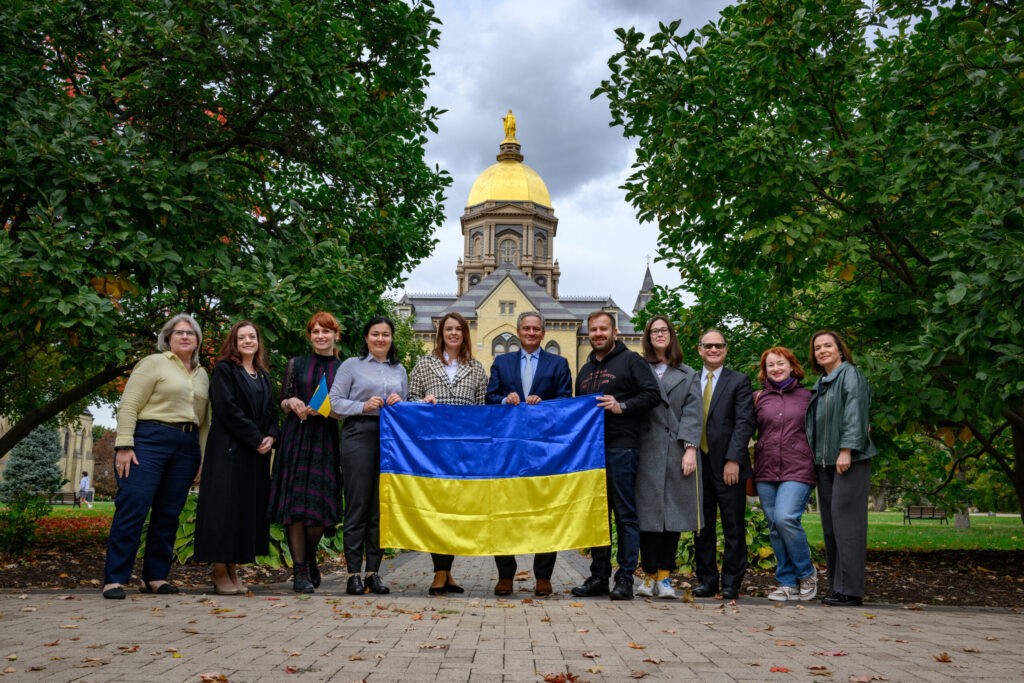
x=276 y=636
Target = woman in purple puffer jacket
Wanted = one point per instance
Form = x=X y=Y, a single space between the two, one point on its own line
x=784 y=470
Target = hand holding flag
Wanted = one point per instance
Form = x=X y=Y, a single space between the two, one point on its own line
x=321 y=401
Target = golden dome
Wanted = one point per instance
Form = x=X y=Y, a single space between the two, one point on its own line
x=509 y=180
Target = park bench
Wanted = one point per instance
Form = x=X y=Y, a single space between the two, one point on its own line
x=63 y=498
x=924 y=512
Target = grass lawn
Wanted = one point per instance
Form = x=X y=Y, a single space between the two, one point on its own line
x=98 y=510
x=886 y=531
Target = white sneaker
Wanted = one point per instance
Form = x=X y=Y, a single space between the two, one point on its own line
x=809 y=586
x=663 y=589
x=646 y=588
x=90 y=505
x=782 y=594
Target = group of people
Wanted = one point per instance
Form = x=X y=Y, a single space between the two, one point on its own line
x=676 y=453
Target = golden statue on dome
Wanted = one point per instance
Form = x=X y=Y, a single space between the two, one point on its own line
x=510 y=125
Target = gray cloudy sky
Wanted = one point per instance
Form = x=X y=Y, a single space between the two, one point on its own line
x=542 y=59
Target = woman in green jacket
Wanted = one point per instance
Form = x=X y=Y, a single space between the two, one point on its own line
x=840 y=438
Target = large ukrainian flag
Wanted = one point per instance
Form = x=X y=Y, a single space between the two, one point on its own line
x=493 y=480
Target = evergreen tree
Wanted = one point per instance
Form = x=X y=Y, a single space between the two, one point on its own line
x=32 y=465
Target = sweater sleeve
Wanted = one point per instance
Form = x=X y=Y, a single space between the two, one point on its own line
x=136 y=394
x=648 y=391
x=340 y=389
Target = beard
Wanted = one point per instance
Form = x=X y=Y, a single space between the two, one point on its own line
x=602 y=346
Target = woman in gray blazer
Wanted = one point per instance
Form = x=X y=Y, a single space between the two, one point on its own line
x=668 y=490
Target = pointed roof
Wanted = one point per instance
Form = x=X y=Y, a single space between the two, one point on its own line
x=645 y=291
x=541 y=301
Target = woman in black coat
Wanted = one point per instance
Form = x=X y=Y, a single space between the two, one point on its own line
x=231 y=526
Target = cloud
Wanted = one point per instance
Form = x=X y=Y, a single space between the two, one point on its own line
x=543 y=59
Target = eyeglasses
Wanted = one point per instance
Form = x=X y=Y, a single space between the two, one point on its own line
x=659 y=332
x=183 y=333
x=718 y=346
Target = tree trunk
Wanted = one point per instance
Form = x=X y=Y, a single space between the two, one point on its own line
x=961 y=519
x=879 y=499
x=20 y=429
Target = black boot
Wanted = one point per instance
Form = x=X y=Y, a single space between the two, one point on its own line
x=300 y=578
x=314 y=572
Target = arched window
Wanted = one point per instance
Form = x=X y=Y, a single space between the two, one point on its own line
x=541 y=249
x=508 y=252
x=504 y=343
x=478 y=248
x=552 y=347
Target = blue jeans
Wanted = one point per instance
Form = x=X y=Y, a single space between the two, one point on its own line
x=620 y=477
x=784 y=504
x=158 y=486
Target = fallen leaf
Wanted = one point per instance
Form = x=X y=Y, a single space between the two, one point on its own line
x=594 y=669
x=687 y=595
x=69 y=625
x=370 y=640
x=669 y=630
x=991 y=638
x=867 y=678
x=781 y=669
x=971 y=649
x=53 y=644
x=192 y=630
x=816 y=667
x=416 y=617
x=942 y=657
x=831 y=653
x=591 y=655
x=215 y=676
x=636 y=646
x=28 y=609
x=128 y=649
x=356 y=658
x=575 y=604
x=10 y=670
x=639 y=674
x=36 y=668
x=787 y=643
x=559 y=677
x=653 y=660
x=583 y=630
x=902 y=641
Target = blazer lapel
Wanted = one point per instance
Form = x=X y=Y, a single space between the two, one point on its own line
x=461 y=371
x=241 y=387
x=671 y=378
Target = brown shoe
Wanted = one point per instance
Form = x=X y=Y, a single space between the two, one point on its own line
x=543 y=588
x=503 y=587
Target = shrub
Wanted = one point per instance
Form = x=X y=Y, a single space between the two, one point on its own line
x=19 y=523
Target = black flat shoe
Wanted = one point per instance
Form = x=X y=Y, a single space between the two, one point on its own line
x=453 y=588
x=375 y=585
x=164 y=589
x=730 y=594
x=314 y=572
x=623 y=589
x=592 y=587
x=705 y=591
x=355 y=585
x=115 y=593
x=437 y=590
x=840 y=600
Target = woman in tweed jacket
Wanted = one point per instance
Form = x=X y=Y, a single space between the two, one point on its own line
x=448 y=375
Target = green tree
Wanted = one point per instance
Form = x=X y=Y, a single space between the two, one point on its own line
x=852 y=165
x=257 y=160
x=32 y=465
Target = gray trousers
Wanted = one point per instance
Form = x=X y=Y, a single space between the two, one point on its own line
x=360 y=469
x=843 y=501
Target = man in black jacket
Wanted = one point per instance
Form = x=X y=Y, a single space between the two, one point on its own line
x=627 y=389
x=728 y=424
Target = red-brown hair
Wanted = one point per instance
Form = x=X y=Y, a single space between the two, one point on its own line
x=465 y=348
x=798 y=371
x=324 y=320
x=229 y=349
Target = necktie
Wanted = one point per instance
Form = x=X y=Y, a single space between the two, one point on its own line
x=527 y=375
x=707 y=404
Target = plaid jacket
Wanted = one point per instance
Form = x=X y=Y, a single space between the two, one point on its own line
x=429 y=377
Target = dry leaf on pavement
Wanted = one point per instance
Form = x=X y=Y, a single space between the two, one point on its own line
x=943 y=657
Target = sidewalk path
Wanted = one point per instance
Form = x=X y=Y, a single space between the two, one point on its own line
x=275 y=635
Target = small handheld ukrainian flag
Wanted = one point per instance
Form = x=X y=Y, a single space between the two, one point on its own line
x=321 y=401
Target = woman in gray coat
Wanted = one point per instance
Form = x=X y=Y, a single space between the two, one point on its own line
x=668 y=474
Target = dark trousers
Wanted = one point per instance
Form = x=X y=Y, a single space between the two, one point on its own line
x=620 y=477
x=158 y=486
x=731 y=501
x=442 y=563
x=843 y=501
x=360 y=467
x=658 y=550
x=543 y=565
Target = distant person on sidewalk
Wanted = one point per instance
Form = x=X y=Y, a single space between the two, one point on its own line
x=527 y=377
x=448 y=375
x=162 y=422
x=784 y=471
x=83 y=490
x=668 y=486
x=728 y=424
x=839 y=432
x=627 y=390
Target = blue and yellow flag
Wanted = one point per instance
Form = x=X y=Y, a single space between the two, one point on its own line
x=321 y=401
x=493 y=480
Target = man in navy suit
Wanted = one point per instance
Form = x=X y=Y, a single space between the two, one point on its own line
x=728 y=424
x=529 y=376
